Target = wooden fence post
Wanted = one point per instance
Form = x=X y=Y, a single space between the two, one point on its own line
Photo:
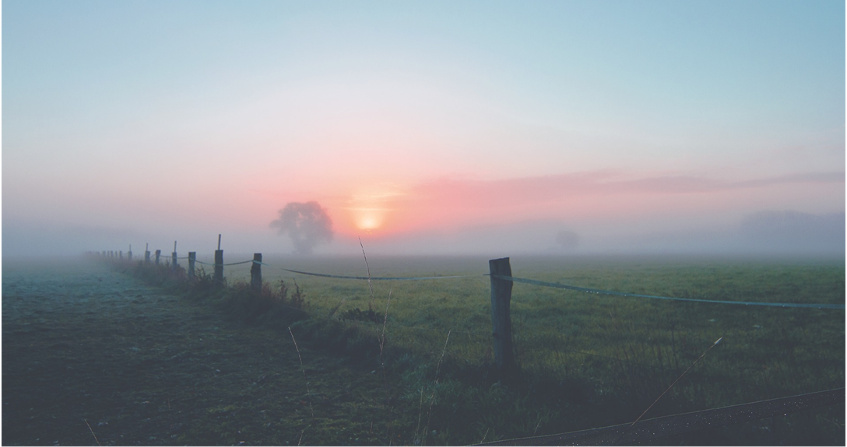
x=501 y=297
x=219 y=263
x=256 y=272
x=192 y=256
x=173 y=257
x=158 y=253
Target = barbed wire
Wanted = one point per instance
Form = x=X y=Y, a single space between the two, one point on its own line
x=636 y=295
x=536 y=282
x=222 y=265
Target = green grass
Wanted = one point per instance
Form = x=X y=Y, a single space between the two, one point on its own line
x=586 y=360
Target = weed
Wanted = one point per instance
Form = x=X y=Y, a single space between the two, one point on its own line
x=303 y=368
x=92 y=432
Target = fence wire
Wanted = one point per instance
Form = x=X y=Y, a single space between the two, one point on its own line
x=662 y=427
x=536 y=282
x=636 y=295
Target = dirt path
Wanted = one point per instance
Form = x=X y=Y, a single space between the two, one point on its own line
x=84 y=346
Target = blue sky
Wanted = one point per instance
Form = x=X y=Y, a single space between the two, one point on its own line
x=145 y=119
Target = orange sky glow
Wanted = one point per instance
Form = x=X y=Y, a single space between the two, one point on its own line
x=582 y=200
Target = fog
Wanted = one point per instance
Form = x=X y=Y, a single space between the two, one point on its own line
x=760 y=234
x=764 y=233
x=307 y=224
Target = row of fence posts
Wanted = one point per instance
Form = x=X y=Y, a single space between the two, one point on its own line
x=218 y=277
x=501 y=294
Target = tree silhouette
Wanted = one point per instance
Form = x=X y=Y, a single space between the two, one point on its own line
x=307 y=224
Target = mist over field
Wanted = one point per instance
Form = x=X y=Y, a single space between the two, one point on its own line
x=766 y=233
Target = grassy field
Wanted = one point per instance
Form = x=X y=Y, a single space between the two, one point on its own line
x=91 y=350
x=591 y=360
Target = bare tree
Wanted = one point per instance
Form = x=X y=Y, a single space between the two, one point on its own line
x=307 y=224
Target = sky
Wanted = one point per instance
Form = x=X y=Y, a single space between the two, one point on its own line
x=424 y=127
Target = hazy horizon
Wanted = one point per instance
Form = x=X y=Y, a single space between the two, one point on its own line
x=822 y=237
x=438 y=128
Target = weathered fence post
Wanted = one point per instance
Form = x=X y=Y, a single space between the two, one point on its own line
x=501 y=297
x=256 y=272
x=192 y=256
x=219 y=263
x=173 y=257
x=147 y=253
x=158 y=253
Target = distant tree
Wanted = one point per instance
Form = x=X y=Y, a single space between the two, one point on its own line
x=568 y=240
x=307 y=224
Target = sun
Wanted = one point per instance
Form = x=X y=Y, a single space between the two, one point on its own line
x=370 y=207
x=368 y=219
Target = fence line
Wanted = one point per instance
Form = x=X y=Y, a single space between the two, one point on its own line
x=501 y=287
x=636 y=295
x=534 y=282
x=501 y=291
x=377 y=278
x=221 y=265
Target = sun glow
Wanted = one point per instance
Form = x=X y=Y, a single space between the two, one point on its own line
x=371 y=207
x=368 y=219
